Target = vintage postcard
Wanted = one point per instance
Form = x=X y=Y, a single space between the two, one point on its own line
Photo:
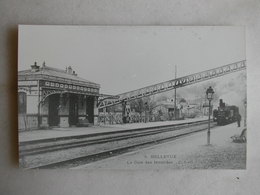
x=132 y=97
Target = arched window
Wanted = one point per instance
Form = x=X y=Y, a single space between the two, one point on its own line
x=21 y=102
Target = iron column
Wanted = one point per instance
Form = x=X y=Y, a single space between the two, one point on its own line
x=209 y=94
x=208 y=134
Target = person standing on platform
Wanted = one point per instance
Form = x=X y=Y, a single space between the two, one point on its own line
x=238 y=120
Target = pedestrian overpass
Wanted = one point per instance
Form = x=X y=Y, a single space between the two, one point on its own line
x=108 y=101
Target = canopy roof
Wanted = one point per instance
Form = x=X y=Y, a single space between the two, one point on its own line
x=53 y=74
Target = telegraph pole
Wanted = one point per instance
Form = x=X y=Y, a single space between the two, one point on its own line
x=175 y=94
x=245 y=104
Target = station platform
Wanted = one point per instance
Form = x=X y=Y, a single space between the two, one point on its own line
x=55 y=133
x=189 y=152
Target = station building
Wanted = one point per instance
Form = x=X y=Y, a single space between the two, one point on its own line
x=50 y=97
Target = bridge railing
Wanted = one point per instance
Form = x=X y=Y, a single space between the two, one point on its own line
x=110 y=118
x=175 y=83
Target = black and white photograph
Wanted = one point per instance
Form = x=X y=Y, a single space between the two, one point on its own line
x=132 y=97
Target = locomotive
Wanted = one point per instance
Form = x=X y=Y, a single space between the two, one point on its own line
x=225 y=114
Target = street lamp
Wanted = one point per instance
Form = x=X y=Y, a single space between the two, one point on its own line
x=209 y=94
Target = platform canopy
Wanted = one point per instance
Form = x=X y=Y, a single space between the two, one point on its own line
x=57 y=79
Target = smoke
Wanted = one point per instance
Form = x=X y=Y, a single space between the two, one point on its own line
x=232 y=89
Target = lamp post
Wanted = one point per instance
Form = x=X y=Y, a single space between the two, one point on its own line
x=209 y=94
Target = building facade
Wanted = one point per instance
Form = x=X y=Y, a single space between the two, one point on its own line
x=50 y=97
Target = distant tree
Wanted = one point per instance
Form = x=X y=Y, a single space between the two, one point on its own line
x=161 y=97
x=143 y=104
x=137 y=105
x=182 y=100
x=116 y=108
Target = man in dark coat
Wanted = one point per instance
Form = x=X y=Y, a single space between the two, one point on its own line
x=238 y=120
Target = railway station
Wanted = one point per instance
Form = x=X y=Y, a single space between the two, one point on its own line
x=65 y=122
x=51 y=97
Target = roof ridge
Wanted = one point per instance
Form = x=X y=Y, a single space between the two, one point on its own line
x=51 y=68
x=58 y=73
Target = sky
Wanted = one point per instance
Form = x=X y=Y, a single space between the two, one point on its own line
x=124 y=58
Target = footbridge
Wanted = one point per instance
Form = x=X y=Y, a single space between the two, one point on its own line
x=106 y=101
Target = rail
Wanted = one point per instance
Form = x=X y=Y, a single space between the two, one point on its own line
x=115 y=138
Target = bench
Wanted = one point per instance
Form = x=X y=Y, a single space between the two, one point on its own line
x=240 y=138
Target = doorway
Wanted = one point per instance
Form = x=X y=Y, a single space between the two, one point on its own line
x=90 y=109
x=73 y=110
x=54 y=110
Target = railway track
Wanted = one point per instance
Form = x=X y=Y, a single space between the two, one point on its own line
x=140 y=138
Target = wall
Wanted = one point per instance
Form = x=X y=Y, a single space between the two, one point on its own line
x=29 y=119
x=27 y=122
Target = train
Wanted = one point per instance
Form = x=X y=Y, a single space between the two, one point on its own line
x=225 y=114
